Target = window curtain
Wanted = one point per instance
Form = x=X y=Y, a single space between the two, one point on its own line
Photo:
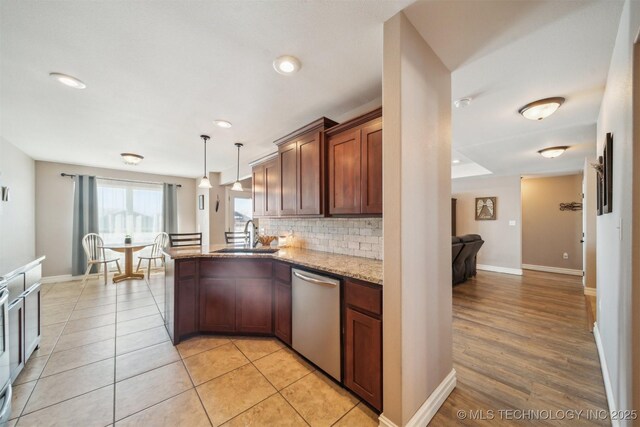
x=170 y=208
x=85 y=219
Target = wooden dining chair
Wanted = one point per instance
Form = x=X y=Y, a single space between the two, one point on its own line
x=185 y=239
x=159 y=243
x=236 y=237
x=97 y=255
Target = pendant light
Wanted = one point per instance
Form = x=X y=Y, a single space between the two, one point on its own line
x=204 y=182
x=237 y=186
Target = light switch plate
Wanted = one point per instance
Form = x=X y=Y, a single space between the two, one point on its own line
x=512 y=222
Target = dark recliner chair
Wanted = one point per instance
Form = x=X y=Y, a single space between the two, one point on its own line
x=476 y=242
x=456 y=248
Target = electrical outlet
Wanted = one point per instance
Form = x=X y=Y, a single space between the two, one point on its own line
x=565 y=256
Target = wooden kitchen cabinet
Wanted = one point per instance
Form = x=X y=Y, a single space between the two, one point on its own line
x=253 y=306
x=265 y=188
x=217 y=305
x=355 y=166
x=301 y=163
x=282 y=302
x=258 y=190
x=363 y=341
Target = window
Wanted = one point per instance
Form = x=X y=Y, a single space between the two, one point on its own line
x=129 y=208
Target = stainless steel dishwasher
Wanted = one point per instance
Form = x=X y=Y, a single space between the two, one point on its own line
x=316 y=320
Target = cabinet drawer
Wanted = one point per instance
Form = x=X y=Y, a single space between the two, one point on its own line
x=364 y=296
x=282 y=272
x=186 y=269
x=236 y=268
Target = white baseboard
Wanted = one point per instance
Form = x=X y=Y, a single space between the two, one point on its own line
x=63 y=278
x=426 y=412
x=605 y=374
x=495 y=269
x=590 y=291
x=557 y=270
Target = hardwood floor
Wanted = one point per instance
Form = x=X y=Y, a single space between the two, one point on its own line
x=523 y=343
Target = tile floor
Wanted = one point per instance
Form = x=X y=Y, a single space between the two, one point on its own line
x=106 y=358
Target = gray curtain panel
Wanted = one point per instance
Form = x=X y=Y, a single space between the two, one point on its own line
x=85 y=219
x=170 y=208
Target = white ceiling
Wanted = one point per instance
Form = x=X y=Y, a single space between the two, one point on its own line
x=159 y=72
x=505 y=54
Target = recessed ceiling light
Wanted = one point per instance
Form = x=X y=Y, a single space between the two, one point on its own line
x=542 y=108
x=286 y=64
x=455 y=162
x=222 y=124
x=131 y=158
x=552 y=152
x=68 y=80
x=462 y=102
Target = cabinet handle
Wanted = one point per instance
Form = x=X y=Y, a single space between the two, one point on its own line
x=313 y=280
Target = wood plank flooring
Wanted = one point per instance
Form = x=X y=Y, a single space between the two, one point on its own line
x=522 y=343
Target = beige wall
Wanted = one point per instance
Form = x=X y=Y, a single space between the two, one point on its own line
x=217 y=219
x=17 y=216
x=417 y=333
x=589 y=248
x=548 y=232
x=54 y=203
x=502 y=242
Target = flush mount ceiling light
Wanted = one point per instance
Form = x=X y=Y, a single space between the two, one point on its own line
x=68 y=80
x=552 y=152
x=462 y=102
x=541 y=109
x=222 y=124
x=131 y=158
x=286 y=64
x=237 y=186
x=204 y=181
x=455 y=162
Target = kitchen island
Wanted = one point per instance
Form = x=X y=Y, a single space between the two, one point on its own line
x=250 y=293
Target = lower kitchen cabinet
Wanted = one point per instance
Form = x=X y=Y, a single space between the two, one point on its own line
x=253 y=306
x=283 y=311
x=31 y=319
x=217 y=305
x=16 y=337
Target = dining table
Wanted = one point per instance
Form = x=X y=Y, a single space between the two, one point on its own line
x=128 y=249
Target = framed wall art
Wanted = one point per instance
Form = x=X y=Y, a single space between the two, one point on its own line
x=486 y=208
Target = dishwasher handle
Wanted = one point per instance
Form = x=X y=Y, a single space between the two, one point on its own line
x=314 y=280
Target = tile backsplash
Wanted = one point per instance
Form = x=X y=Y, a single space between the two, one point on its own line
x=358 y=237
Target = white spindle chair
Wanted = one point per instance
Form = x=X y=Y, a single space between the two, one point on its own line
x=96 y=255
x=159 y=243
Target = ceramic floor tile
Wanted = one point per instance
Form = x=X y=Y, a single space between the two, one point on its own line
x=32 y=369
x=255 y=348
x=51 y=319
x=95 y=302
x=190 y=413
x=213 y=363
x=142 y=339
x=235 y=392
x=273 y=411
x=136 y=325
x=133 y=297
x=319 y=400
x=20 y=396
x=51 y=302
x=89 y=323
x=283 y=368
x=136 y=303
x=75 y=357
x=142 y=391
x=201 y=343
x=48 y=339
x=63 y=386
x=81 y=338
x=91 y=409
x=148 y=358
x=58 y=308
x=92 y=311
x=137 y=313
x=360 y=416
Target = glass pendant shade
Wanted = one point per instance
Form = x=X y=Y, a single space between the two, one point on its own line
x=204 y=182
x=237 y=186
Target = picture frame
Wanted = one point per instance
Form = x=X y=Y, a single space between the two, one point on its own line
x=201 y=202
x=599 y=188
x=486 y=208
x=607 y=175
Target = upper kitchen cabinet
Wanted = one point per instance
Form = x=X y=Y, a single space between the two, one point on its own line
x=265 y=187
x=355 y=166
x=301 y=164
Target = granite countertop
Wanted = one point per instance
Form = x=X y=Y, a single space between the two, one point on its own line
x=369 y=270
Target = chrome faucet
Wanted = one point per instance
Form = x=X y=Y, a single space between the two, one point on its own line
x=253 y=234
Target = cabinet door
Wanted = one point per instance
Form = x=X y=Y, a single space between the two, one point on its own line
x=287 y=166
x=254 y=304
x=271 y=190
x=283 y=311
x=363 y=356
x=217 y=305
x=16 y=337
x=186 y=298
x=309 y=178
x=31 y=319
x=372 y=168
x=344 y=173
x=258 y=190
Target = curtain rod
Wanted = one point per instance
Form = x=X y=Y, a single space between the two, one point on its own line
x=69 y=175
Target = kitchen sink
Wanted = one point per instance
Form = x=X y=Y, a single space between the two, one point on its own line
x=247 y=251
